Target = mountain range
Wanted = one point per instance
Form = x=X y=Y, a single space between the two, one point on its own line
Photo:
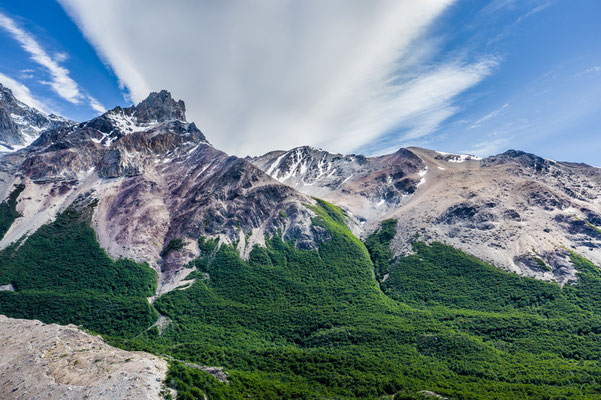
x=231 y=257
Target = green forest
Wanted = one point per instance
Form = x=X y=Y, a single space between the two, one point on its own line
x=344 y=321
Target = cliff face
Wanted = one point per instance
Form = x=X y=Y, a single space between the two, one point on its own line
x=367 y=187
x=151 y=177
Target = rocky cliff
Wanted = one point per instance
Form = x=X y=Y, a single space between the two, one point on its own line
x=152 y=177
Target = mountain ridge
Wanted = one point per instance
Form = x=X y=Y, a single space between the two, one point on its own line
x=139 y=229
x=462 y=200
x=155 y=175
x=21 y=124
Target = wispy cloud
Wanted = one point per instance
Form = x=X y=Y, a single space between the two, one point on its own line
x=421 y=105
x=488 y=147
x=489 y=116
x=596 y=68
x=527 y=8
x=27 y=73
x=258 y=75
x=22 y=93
x=96 y=105
x=532 y=11
x=591 y=70
x=60 y=81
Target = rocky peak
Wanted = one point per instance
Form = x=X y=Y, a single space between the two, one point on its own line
x=156 y=125
x=6 y=95
x=160 y=107
x=528 y=160
x=20 y=124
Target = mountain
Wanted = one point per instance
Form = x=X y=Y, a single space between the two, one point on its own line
x=153 y=178
x=515 y=210
x=299 y=274
x=20 y=124
x=365 y=186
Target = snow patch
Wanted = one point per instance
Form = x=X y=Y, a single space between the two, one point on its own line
x=128 y=124
x=422 y=173
x=275 y=164
x=459 y=158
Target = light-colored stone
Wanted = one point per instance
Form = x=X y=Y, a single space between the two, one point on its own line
x=44 y=361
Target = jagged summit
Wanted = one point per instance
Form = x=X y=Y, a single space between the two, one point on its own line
x=510 y=209
x=158 y=114
x=522 y=158
x=152 y=177
x=160 y=106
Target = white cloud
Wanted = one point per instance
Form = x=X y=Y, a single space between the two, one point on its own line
x=259 y=75
x=27 y=73
x=488 y=116
x=488 y=147
x=61 y=83
x=96 y=105
x=532 y=12
x=591 y=70
x=22 y=92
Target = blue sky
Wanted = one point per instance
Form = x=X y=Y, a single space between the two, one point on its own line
x=349 y=76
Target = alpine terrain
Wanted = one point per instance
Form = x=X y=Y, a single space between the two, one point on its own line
x=297 y=274
x=20 y=124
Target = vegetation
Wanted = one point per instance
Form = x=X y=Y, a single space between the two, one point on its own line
x=60 y=274
x=542 y=264
x=173 y=245
x=292 y=323
x=311 y=324
x=8 y=210
x=378 y=245
x=593 y=226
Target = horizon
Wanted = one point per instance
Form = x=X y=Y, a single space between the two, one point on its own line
x=459 y=76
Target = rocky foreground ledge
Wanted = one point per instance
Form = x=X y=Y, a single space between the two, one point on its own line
x=61 y=362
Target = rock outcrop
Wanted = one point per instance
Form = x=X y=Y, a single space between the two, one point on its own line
x=367 y=187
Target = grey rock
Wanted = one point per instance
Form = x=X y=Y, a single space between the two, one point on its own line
x=21 y=124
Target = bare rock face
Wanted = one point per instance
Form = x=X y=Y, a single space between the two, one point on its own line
x=39 y=361
x=153 y=178
x=515 y=210
x=20 y=124
x=160 y=107
x=367 y=187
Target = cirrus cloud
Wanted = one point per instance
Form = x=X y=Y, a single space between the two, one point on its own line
x=60 y=79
